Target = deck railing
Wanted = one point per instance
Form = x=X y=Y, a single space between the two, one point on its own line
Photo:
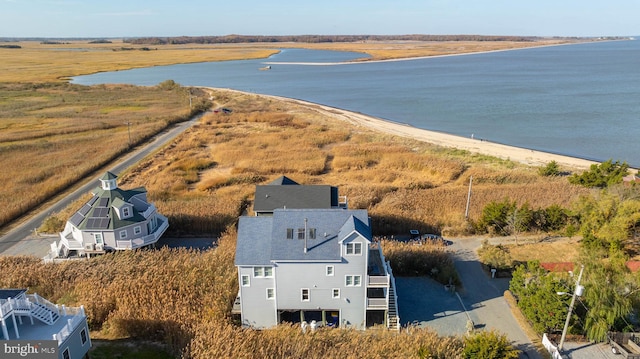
x=72 y=324
x=378 y=281
x=143 y=241
x=377 y=303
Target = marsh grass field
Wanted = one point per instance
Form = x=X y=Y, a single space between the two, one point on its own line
x=52 y=134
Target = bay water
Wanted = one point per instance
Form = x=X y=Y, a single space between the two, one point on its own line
x=581 y=100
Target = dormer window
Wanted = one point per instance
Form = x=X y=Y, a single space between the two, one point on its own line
x=126 y=212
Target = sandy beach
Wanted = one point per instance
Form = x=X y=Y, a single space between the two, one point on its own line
x=473 y=145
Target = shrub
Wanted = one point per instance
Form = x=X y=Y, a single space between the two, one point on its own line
x=551 y=169
x=488 y=345
x=602 y=175
x=496 y=257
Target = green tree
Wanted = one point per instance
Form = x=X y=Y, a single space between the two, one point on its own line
x=551 y=169
x=494 y=216
x=488 y=345
x=537 y=294
x=609 y=295
x=603 y=175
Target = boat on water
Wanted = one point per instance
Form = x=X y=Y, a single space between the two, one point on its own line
x=268 y=67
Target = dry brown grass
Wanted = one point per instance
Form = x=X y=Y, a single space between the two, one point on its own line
x=183 y=299
x=208 y=174
x=551 y=251
x=36 y=62
x=55 y=134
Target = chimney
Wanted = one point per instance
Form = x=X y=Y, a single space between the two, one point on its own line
x=305 y=235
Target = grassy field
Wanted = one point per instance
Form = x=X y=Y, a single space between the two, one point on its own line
x=52 y=135
x=207 y=177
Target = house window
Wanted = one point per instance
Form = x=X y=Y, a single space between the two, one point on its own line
x=300 y=233
x=353 y=281
x=312 y=233
x=245 y=280
x=137 y=230
x=329 y=270
x=65 y=354
x=271 y=293
x=305 y=294
x=98 y=238
x=289 y=233
x=123 y=234
x=354 y=248
x=262 y=272
x=126 y=212
x=83 y=336
x=335 y=293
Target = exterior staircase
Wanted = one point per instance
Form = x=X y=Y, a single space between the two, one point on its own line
x=393 y=320
x=43 y=313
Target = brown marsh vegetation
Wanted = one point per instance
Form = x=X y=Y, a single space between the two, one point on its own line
x=52 y=135
x=206 y=178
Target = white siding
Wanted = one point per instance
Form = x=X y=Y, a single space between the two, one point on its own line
x=257 y=310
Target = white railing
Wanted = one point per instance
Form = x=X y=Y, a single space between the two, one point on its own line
x=72 y=324
x=395 y=292
x=343 y=202
x=70 y=244
x=143 y=241
x=6 y=308
x=38 y=299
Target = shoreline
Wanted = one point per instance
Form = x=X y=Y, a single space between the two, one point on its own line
x=476 y=146
x=369 y=61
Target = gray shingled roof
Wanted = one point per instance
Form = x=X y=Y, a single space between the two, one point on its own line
x=108 y=176
x=270 y=197
x=262 y=240
x=283 y=180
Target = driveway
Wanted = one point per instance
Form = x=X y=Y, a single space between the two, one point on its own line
x=425 y=303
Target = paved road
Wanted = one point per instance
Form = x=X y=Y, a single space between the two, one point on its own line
x=23 y=233
x=483 y=297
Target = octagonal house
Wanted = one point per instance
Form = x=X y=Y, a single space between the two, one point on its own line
x=113 y=219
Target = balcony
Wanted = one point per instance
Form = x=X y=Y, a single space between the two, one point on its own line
x=377 y=303
x=145 y=240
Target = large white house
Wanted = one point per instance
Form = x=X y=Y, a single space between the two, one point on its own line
x=29 y=317
x=113 y=219
x=315 y=266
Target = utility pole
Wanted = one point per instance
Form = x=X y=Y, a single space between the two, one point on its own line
x=466 y=211
x=129 y=130
x=576 y=293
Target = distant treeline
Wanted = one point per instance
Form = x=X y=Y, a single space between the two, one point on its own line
x=10 y=46
x=232 y=39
